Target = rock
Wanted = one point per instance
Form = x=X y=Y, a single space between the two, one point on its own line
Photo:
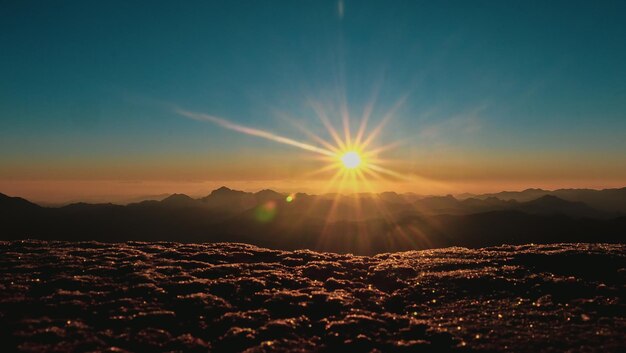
x=135 y=296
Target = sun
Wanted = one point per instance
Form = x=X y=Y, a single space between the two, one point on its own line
x=351 y=160
x=353 y=155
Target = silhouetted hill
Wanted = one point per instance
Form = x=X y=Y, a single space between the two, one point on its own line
x=267 y=195
x=230 y=200
x=361 y=223
x=552 y=205
x=391 y=196
x=474 y=205
x=15 y=214
x=450 y=205
x=438 y=204
x=180 y=200
x=607 y=200
x=83 y=206
x=520 y=196
x=612 y=200
x=546 y=204
x=15 y=203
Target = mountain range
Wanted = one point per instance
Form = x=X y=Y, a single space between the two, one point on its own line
x=362 y=223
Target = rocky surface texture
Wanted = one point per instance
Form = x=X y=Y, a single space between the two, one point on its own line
x=150 y=297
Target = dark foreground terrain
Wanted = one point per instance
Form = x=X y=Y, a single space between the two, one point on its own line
x=150 y=297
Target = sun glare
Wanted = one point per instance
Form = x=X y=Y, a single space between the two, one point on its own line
x=351 y=160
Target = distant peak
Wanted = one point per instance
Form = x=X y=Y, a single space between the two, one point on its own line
x=267 y=195
x=226 y=191
x=16 y=200
x=177 y=197
x=549 y=199
x=266 y=191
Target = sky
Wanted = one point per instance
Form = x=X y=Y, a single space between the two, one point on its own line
x=475 y=96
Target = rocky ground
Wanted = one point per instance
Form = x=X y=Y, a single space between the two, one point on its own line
x=149 y=297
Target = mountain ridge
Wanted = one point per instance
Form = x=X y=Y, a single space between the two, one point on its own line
x=360 y=223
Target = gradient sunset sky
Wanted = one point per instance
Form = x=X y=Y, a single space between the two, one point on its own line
x=485 y=96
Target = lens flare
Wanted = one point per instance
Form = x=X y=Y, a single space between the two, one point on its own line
x=350 y=153
x=265 y=212
x=353 y=156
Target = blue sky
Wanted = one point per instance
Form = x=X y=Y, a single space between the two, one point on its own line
x=89 y=84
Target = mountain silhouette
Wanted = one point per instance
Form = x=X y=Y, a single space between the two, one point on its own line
x=230 y=200
x=438 y=204
x=180 y=200
x=607 y=200
x=552 y=205
x=361 y=223
x=267 y=195
x=15 y=203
